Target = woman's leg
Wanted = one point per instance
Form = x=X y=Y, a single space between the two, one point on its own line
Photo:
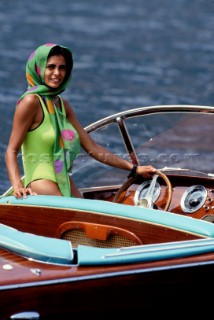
x=74 y=190
x=48 y=187
x=45 y=187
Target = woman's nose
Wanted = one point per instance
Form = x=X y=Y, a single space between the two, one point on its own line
x=56 y=71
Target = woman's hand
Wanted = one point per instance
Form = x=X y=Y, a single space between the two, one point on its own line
x=145 y=171
x=21 y=192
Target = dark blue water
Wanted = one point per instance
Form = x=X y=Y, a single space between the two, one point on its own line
x=127 y=53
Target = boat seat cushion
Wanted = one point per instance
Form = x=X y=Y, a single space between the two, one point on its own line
x=39 y=248
x=168 y=219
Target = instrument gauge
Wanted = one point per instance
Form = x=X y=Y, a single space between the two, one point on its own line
x=143 y=189
x=193 y=198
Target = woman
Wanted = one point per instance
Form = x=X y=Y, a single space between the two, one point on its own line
x=48 y=132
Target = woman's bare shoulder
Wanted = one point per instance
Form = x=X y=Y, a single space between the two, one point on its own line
x=28 y=106
x=68 y=107
x=30 y=99
x=29 y=102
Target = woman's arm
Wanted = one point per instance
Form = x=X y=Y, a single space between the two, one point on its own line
x=100 y=153
x=24 y=117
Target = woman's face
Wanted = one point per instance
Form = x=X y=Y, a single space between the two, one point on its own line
x=55 y=71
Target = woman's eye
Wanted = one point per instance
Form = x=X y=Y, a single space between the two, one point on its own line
x=52 y=67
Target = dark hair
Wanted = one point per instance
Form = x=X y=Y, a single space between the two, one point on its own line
x=61 y=51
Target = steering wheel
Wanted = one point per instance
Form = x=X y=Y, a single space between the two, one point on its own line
x=147 y=202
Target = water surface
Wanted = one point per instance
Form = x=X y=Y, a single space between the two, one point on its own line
x=127 y=53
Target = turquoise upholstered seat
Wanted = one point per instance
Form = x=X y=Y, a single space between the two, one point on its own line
x=45 y=249
x=158 y=217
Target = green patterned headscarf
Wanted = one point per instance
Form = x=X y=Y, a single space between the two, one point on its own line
x=67 y=144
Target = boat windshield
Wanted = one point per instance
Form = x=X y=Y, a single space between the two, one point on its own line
x=178 y=140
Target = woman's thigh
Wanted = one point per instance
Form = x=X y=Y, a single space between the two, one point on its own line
x=45 y=187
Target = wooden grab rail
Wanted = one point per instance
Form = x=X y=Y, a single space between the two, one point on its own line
x=96 y=231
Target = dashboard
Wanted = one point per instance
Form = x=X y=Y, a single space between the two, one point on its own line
x=191 y=195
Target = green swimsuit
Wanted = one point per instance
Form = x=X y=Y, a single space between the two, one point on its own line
x=38 y=148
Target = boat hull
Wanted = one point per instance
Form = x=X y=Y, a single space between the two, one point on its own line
x=120 y=291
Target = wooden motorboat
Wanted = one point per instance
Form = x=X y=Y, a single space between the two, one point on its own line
x=131 y=245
